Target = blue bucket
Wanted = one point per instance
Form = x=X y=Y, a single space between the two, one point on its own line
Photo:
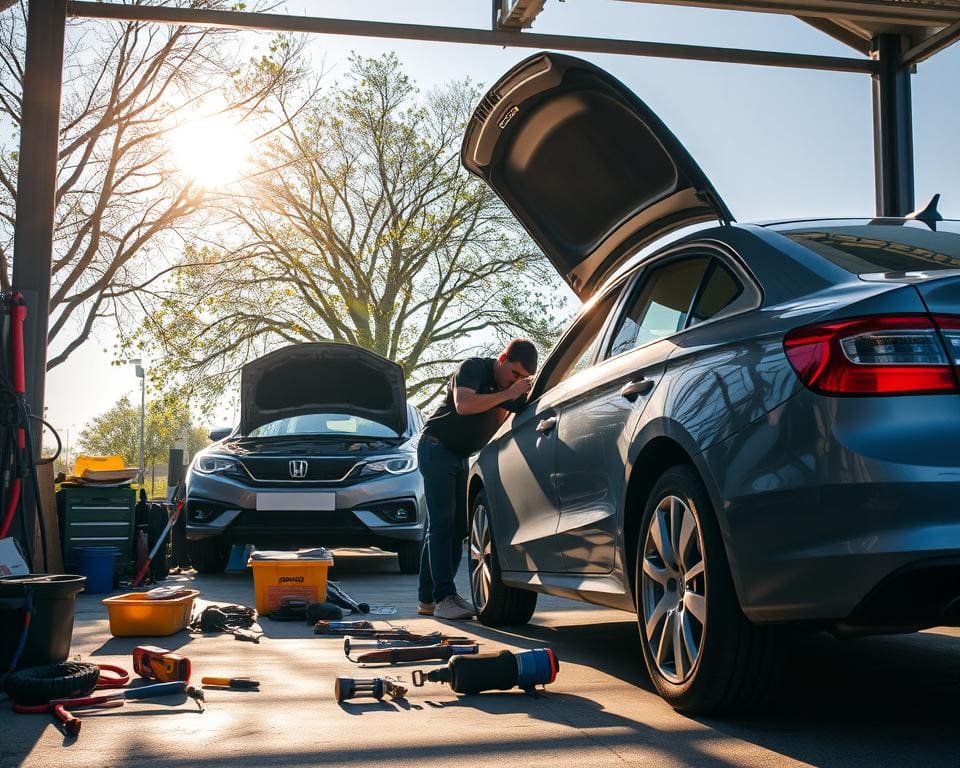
x=96 y=563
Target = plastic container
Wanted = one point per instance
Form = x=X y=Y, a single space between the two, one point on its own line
x=301 y=574
x=51 y=620
x=96 y=563
x=136 y=615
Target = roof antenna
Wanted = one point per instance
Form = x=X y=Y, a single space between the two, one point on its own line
x=929 y=214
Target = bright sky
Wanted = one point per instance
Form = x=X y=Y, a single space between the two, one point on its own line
x=775 y=142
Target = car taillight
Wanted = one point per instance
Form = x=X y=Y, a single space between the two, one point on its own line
x=894 y=355
x=950 y=328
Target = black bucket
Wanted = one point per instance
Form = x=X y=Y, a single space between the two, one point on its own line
x=51 y=621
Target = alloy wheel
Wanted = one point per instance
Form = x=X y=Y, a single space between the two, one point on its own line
x=673 y=589
x=481 y=555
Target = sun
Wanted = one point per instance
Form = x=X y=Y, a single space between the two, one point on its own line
x=211 y=151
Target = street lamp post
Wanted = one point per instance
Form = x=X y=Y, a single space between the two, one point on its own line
x=143 y=407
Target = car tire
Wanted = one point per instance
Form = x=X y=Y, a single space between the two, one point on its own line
x=209 y=555
x=408 y=556
x=702 y=654
x=496 y=604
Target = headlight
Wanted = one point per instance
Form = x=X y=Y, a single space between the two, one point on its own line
x=394 y=465
x=211 y=465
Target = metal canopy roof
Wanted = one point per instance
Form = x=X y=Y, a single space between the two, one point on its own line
x=926 y=26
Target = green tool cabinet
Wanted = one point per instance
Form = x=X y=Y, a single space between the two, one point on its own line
x=97 y=517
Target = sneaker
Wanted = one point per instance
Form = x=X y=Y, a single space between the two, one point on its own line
x=425 y=609
x=454 y=607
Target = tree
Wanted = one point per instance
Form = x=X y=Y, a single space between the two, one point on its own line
x=117 y=431
x=359 y=227
x=120 y=201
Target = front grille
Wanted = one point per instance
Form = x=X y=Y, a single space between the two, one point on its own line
x=318 y=469
x=339 y=521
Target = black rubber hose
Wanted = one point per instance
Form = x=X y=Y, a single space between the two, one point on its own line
x=38 y=685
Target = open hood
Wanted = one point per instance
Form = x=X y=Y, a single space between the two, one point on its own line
x=588 y=169
x=322 y=377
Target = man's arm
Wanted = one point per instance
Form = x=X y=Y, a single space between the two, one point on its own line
x=468 y=402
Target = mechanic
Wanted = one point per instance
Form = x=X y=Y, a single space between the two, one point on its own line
x=479 y=396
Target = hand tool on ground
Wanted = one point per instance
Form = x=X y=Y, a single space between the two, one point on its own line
x=391 y=633
x=155 y=663
x=351 y=643
x=337 y=596
x=161 y=541
x=377 y=687
x=237 y=683
x=439 y=652
x=495 y=671
x=342 y=627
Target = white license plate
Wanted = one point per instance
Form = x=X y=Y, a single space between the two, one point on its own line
x=291 y=501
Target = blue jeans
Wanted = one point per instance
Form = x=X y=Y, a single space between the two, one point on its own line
x=445 y=488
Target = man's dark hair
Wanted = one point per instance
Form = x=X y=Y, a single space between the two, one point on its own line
x=522 y=351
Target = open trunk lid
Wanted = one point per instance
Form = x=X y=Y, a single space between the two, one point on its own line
x=587 y=168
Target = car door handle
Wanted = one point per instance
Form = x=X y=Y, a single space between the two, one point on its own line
x=545 y=425
x=633 y=389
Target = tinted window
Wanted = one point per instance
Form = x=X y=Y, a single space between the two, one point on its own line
x=719 y=291
x=660 y=305
x=580 y=344
x=883 y=247
x=335 y=424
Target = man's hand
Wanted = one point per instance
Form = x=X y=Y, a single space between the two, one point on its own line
x=519 y=388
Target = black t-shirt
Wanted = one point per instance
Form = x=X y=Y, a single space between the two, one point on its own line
x=468 y=434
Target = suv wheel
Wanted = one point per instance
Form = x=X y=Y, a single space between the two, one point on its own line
x=209 y=555
x=702 y=654
x=496 y=603
x=408 y=556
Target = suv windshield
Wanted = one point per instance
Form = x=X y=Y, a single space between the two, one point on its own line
x=867 y=247
x=333 y=424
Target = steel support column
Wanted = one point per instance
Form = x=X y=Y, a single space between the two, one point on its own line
x=37 y=183
x=892 y=129
x=33 y=227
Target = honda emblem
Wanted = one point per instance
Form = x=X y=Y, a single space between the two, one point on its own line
x=298 y=469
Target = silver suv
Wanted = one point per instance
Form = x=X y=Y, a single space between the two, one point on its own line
x=324 y=455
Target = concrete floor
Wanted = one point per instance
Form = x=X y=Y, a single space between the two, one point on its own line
x=888 y=701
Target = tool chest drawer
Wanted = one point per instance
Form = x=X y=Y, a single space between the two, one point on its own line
x=94 y=517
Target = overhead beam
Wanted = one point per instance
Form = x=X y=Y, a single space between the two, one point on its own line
x=933 y=44
x=839 y=32
x=243 y=20
x=922 y=14
x=517 y=14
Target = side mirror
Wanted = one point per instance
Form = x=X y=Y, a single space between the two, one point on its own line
x=219 y=433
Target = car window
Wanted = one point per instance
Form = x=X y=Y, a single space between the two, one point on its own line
x=659 y=305
x=579 y=344
x=338 y=424
x=875 y=248
x=720 y=289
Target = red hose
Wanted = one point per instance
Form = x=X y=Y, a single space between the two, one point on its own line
x=118 y=678
x=18 y=312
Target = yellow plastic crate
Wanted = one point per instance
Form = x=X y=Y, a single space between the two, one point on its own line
x=301 y=575
x=136 y=615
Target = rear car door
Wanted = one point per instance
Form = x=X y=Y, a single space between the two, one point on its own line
x=600 y=408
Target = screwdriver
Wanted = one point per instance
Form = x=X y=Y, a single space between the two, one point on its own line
x=237 y=683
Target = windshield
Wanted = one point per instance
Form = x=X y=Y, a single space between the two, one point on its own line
x=333 y=424
x=864 y=248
